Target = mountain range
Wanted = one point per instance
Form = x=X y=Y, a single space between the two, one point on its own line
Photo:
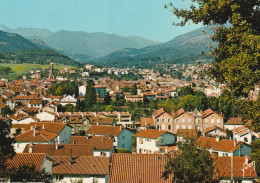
x=120 y=51
x=80 y=45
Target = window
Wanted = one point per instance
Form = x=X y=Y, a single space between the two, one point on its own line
x=123 y=145
x=140 y=150
x=189 y=120
x=218 y=120
x=163 y=127
x=206 y=120
x=103 y=153
x=163 y=120
x=78 y=127
x=177 y=127
x=123 y=137
x=158 y=127
x=169 y=127
x=169 y=120
x=212 y=120
x=245 y=139
x=183 y=126
x=198 y=121
x=162 y=140
x=177 y=120
x=183 y=120
x=59 y=177
x=189 y=127
x=157 y=120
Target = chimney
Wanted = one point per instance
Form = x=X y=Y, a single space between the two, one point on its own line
x=56 y=145
x=31 y=148
x=102 y=139
x=235 y=143
x=34 y=132
x=120 y=127
x=43 y=127
x=74 y=142
x=32 y=127
x=246 y=159
x=217 y=139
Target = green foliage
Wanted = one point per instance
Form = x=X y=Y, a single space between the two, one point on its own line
x=6 y=146
x=189 y=164
x=64 y=87
x=186 y=90
x=107 y=99
x=125 y=89
x=5 y=70
x=27 y=173
x=6 y=111
x=122 y=150
x=70 y=108
x=255 y=155
x=90 y=97
x=237 y=53
x=133 y=90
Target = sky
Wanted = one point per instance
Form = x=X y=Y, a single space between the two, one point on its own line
x=144 y=18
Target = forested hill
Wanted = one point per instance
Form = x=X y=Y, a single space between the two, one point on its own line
x=14 y=47
x=185 y=48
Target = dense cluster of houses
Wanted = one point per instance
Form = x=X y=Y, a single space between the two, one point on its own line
x=89 y=146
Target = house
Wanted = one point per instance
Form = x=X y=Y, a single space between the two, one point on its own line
x=61 y=149
x=67 y=169
x=146 y=168
x=211 y=118
x=149 y=141
x=244 y=134
x=68 y=100
x=243 y=169
x=122 y=136
x=22 y=119
x=82 y=90
x=215 y=131
x=103 y=145
x=183 y=134
x=234 y=123
x=147 y=122
x=101 y=91
x=223 y=147
x=163 y=120
x=134 y=98
x=43 y=133
x=183 y=120
x=46 y=116
x=41 y=161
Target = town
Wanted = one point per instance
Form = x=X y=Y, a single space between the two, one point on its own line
x=113 y=125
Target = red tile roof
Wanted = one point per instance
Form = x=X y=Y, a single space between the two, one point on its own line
x=130 y=168
x=105 y=130
x=99 y=142
x=82 y=165
x=223 y=166
x=221 y=145
x=63 y=149
x=188 y=133
x=147 y=121
x=214 y=128
x=48 y=126
x=158 y=113
x=179 y=112
x=235 y=121
x=30 y=159
x=40 y=136
x=150 y=133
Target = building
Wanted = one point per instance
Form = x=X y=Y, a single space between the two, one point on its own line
x=215 y=131
x=234 y=123
x=122 y=136
x=149 y=141
x=223 y=147
x=163 y=120
x=101 y=91
x=244 y=134
x=43 y=133
x=147 y=168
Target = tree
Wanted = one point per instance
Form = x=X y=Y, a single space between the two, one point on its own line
x=255 y=155
x=70 y=108
x=133 y=90
x=6 y=146
x=236 y=55
x=107 y=99
x=90 y=97
x=27 y=173
x=186 y=90
x=6 y=111
x=189 y=164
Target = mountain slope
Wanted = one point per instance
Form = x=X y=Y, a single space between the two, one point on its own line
x=185 y=48
x=81 y=45
x=14 y=47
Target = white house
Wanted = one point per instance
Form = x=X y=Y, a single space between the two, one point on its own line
x=244 y=134
x=82 y=90
x=45 y=116
x=233 y=123
x=149 y=141
x=22 y=119
x=43 y=133
x=85 y=169
x=68 y=100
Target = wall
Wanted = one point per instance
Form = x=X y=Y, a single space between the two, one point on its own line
x=84 y=178
x=147 y=145
x=126 y=141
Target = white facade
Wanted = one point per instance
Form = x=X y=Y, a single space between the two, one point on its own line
x=23 y=121
x=81 y=178
x=145 y=145
x=82 y=90
x=106 y=153
x=232 y=127
x=45 y=116
x=68 y=100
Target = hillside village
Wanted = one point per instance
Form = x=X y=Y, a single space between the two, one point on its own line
x=120 y=142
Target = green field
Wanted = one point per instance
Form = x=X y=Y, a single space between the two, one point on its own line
x=19 y=69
